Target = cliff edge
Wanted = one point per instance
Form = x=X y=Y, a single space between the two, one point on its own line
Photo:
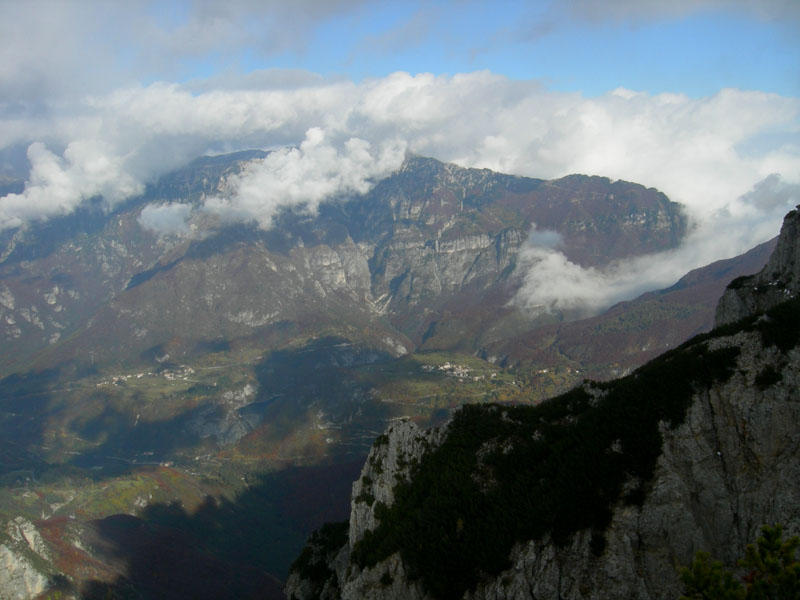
x=777 y=282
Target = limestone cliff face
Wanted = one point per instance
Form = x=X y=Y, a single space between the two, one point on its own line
x=24 y=559
x=390 y=461
x=778 y=281
x=730 y=465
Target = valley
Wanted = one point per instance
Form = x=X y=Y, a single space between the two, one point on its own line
x=236 y=430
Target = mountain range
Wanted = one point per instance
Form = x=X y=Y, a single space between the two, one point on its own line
x=407 y=260
x=178 y=381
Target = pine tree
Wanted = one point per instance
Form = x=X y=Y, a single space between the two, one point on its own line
x=773 y=572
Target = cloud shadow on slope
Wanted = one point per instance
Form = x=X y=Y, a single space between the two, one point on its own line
x=223 y=549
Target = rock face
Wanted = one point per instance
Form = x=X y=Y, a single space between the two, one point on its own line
x=778 y=281
x=22 y=557
x=390 y=461
x=730 y=464
x=430 y=241
x=731 y=467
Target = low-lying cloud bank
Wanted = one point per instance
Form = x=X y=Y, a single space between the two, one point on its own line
x=550 y=282
x=166 y=219
x=733 y=158
x=305 y=176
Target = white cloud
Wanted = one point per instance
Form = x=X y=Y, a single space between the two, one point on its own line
x=166 y=219
x=54 y=50
x=550 y=282
x=728 y=157
x=57 y=185
x=305 y=176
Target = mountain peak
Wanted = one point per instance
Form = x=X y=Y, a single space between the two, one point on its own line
x=777 y=282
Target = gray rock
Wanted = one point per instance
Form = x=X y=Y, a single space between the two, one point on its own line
x=730 y=468
x=777 y=282
x=22 y=555
x=390 y=461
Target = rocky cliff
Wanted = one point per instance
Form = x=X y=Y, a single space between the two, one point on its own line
x=778 y=281
x=601 y=493
x=24 y=559
x=429 y=242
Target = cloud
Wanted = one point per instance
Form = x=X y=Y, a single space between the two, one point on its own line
x=543 y=238
x=104 y=45
x=221 y=33
x=32 y=71
x=731 y=158
x=772 y=192
x=57 y=185
x=133 y=135
x=167 y=219
x=413 y=31
x=305 y=176
x=550 y=282
x=652 y=10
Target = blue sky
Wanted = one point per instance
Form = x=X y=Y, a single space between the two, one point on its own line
x=698 y=98
x=696 y=54
x=696 y=48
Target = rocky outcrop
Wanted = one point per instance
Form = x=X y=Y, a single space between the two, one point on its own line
x=778 y=281
x=727 y=462
x=731 y=467
x=22 y=556
x=389 y=462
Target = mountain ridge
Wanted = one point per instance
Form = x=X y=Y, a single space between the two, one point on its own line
x=430 y=237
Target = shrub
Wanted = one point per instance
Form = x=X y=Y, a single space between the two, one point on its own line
x=767 y=377
x=772 y=572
